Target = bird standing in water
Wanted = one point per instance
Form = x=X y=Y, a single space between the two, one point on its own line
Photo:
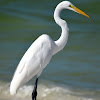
x=41 y=51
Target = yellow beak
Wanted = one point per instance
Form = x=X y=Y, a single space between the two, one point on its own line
x=79 y=11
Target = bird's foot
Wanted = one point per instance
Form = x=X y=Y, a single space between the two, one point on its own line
x=34 y=95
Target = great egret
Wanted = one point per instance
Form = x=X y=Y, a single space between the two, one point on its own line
x=41 y=51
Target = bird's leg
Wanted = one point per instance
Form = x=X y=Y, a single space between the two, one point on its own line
x=34 y=93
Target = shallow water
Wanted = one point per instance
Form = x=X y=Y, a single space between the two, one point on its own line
x=73 y=73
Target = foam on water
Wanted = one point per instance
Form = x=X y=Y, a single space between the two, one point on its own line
x=45 y=92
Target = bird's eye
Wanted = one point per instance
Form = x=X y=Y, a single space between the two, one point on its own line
x=70 y=6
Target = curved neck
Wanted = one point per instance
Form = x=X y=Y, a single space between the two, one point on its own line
x=61 y=42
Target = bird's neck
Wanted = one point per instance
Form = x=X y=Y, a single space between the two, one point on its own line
x=61 y=42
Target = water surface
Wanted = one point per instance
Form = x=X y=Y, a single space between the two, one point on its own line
x=74 y=73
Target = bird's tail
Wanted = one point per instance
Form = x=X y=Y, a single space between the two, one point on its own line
x=13 y=89
x=15 y=85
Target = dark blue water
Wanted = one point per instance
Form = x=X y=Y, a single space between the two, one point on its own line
x=74 y=72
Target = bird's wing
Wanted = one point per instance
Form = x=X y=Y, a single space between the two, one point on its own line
x=37 y=53
x=34 y=60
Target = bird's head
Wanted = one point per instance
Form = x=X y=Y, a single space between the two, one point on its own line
x=70 y=6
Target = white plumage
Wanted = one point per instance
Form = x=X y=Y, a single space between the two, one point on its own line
x=33 y=62
x=40 y=52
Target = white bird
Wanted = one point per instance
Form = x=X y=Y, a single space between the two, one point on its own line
x=41 y=51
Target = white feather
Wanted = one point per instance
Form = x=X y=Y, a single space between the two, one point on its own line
x=40 y=52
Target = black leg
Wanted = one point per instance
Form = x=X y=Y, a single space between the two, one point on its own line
x=34 y=93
